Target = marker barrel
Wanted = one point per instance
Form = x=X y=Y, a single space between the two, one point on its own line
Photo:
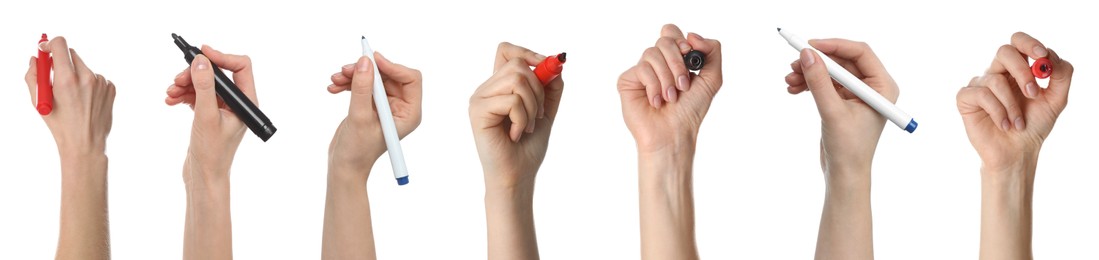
x=385 y=116
x=44 y=91
x=856 y=86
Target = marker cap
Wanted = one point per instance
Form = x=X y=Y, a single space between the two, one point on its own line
x=911 y=126
x=402 y=180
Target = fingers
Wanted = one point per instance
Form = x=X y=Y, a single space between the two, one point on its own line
x=1028 y=45
x=820 y=84
x=1009 y=61
x=659 y=65
x=648 y=79
x=515 y=78
x=183 y=78
x=507 y=51
x=1060 y=81
x=240 y=65
x=396 y=72
x=341 y=81
x=493 y=110
x=978 y=99
x=32 y=79
x=860 y=53
x=206 y=103
x=62 y=62
x=711 y=70
x=82 y=70
x=673 y=55
x=1008 y=97
x=362 y=90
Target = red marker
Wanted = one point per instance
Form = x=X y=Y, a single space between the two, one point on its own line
x=550 y=68
x=1042 y=68
x=45 y=90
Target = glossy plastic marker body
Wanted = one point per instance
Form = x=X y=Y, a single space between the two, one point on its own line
x=389 y=128
x=45 y=88
x=856 y=86
x=231 y=95
x=550 y=68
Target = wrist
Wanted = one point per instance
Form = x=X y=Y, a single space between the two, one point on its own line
x=847 y=178
x=516 y=195
x=680 y=142
x=84 y=168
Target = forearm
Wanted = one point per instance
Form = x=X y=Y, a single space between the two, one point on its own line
x=510 y=215
x=846 y=225
x=208 y=232
x=1006 y=194
x=667 y=203
x=348 y=233
x=85 y=232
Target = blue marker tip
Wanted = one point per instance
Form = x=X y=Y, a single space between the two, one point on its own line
x=402 y=180
x=911 y=126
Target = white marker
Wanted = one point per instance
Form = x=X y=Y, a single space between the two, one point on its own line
x=856 y=86
x=389 y=129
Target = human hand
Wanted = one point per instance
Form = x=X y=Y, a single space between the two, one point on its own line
x=662 y=102
x=511 y=114
x=215 y=132
x=358 y=141
x=83 y=102
x=849 y=127
x=1007 y=116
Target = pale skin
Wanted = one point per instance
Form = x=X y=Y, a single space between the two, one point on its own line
x=511 y=115
x=1007 y=118
x=850 y=130
x=215 y=135
x=357 y=144
x=80 y=122
x=663 y=105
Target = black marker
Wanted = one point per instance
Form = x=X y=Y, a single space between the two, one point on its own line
x=231 y=95
x=694 y=60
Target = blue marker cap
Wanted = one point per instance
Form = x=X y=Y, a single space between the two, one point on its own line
x=911 y=126
x=402 y=180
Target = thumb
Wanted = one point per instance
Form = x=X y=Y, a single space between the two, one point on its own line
x=202 y=76
x=820 y=84
x=362 y=89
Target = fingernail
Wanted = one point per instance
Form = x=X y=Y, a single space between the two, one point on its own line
x=1040 y=51
x=657 y=100
x=1019 y=124
x=202 y=64
x=180 y=75
x=683 y=82
x=683 y=46
x=348 y=66
x=541 y=112
x=697 y=35
x=672 y=95
x=1032 y=89
x=530 y=129
x=1005 y=125
x=361 y=67
x=807 y=57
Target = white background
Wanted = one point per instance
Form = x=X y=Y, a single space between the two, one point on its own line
x=758 y=185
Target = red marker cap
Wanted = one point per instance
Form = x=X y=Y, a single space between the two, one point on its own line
x=550 y=68
x=1042 y=68
x=45 y=89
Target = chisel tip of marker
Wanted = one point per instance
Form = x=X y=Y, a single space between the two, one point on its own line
x=780 y=29
x=364 y=37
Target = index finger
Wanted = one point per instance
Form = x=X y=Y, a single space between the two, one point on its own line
x=864 y=58
x=62 y=63
x=507 y=51
x=1028 y=45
